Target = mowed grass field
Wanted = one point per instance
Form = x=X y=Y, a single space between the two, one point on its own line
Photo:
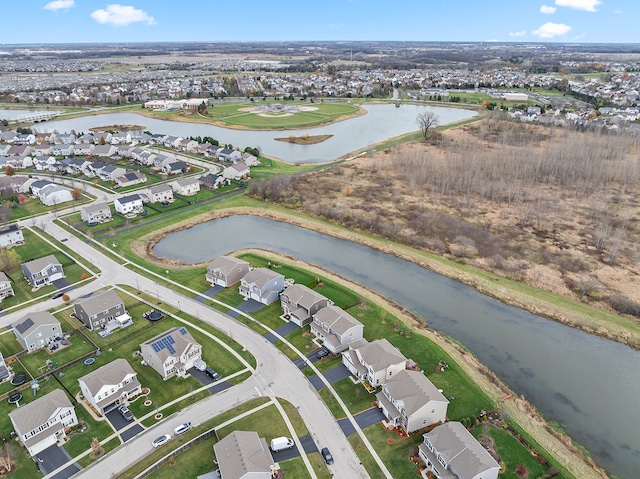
x=229 y=114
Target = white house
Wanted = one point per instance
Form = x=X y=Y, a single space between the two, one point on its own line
x=10 y=234
x=6 y=291
x=374 y=362
x=262 y=285
x=128 y=204
x=52 y=195
x=159 y=193
x=109 y=386
x=171 y=353
x=44 y=422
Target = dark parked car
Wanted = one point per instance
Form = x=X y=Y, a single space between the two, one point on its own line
x=326 y=455
x=212 y=374
x=322 y=352
x=124 y=410
x=57 y=295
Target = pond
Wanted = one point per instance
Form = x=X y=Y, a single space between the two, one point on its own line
x=578 y=379
x=380 y=123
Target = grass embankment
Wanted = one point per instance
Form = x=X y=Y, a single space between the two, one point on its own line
x=304 y=140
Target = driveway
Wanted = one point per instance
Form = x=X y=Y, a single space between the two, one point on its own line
x=287 y=328
x=285 y=454
x=364 y=419
x=210 y=293
x=216 y=386
x=119 y=423
x=249 y=306
x=52 y=458
x=301 y=363
x=62 y=284
x=332 y=375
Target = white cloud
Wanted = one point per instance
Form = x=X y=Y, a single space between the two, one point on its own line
x=550 y=30
x=617 y=11
x=547 y=9
x=59 y=5
x=122 y=15
x=521 y=33
x=588 y=5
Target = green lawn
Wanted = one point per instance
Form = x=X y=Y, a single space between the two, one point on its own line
x=295 y=468
x=78 y=443
x=25 y=467
x=195 y=461
x=395 y=455
x=9 y=345
x=267 y=422
x=365 y=456
x=355 y=396
x=35 y=361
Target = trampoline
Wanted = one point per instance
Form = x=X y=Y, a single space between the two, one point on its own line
x=18 y=379
x=154 y=316
x=13 y=399
x=89 y=361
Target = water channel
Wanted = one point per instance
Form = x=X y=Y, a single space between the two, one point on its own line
x=380 y=122
x=586 y=382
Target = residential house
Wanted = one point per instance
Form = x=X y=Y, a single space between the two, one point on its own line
x=300 y=303
x=37 y=185
x=96 y=213
x=188 y=186
x=83 y=149
x=451 y=452
x=131 y=178
x=25 y=139
x=100 y=308
x=159 y=193
x=20 y=150
x=237 y=171
x=175 y=168
x=213 y=181
x=172 y=141
x=157 y=139
x=36 y=330
x=228 y=154
x=17 y=184
x=64 y=138
x=6 y=290
x=105 y=150
x=171 y=353
x=111 y=172
x=212 y=151
x=128 y=204
x=93 y=168
x=44 y=422
x=262 y=285
x=374 y=362
x=410 y=401
x=75 y=166
x=4 y=149
x=18 y=162
x=336 y=328
x=101 y=137
x=52 y=195
x=10 y=234
x=62 y=150
x=41 y=271
x=110 y=385
x=42 y=150
x=44 y=163
x=226 y=271
x=249 y=160
x=8 y=136
x=146 y=158
x=121 y=138
x=186 y=144
x=4 y=370
x=244 y=455
x=161 y=160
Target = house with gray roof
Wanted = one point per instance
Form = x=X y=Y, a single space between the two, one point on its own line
x=37 y=330
x=111 y=172
x=175 y=168
x=128 y=204
x=96 y=213
x=10 y=234
x=110 y=385
x=4 y=370
x=6 y=290
x=131 y=178
x=188 y=186
x=159 y=193
x=171 y=353
x=244 y=455
x=62 y=150
x=105 y=150
x=262 y=285
x=42 y=271
x=213 y=181
x=336 y=328
x=44 y=422
x=101 y=308
x=299 y=303
x=226 y=271
x=36 y=185
x=52 y=195
x=410 y=401
x=451 y=452
x=374 y=362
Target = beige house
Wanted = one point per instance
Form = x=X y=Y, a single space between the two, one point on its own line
x=96 y=213
x=111 y=385
x=226 y=271
x=409 y=400
x=188 y=186
x=374 y=362
x=244 y=455
x=451 y=452
x=300 y=303
x=160 y=193
x=44 y=422
x=6 y=290
x=171 y=353
x=336 y=328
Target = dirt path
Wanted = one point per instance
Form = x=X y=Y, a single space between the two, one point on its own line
x=518 y=409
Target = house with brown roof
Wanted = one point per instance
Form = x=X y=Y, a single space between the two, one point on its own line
x=109 y=386
x=451 y=452
x=374 y=362
x=262 y=285
x=226 y=271
x=244 y=455
x=44 y=422
x=410 y=401
x=171 y=353
x=336 y=328
x=300 y=303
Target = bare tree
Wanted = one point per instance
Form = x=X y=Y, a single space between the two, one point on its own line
x=427 y=121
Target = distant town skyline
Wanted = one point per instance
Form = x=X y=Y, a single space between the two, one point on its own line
x=98 y=21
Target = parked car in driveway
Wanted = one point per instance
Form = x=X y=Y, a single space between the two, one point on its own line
x=326 y=455
x=161 y=441
x=126 y=414
x=322 y=352
x=212 y=374
x=182 y=428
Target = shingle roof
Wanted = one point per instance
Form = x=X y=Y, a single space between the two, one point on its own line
x=336 y=319
x=414 y=389
x=242 y=452
x=173 y=342
x=99 y=301
x=226 y=263
x=38 y=412
x=380 y=354
x=41 y=263
x=302 y=295
x=111 y=373
x=260 y=276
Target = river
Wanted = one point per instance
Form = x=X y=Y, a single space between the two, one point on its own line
x=380 y=123
x=578 y=379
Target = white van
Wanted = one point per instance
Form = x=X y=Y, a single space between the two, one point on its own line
x=280 y=443
x=200 y=365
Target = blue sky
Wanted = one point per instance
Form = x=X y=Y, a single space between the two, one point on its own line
x=79 y=21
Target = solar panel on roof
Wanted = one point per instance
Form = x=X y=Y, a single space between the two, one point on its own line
x=183 y=331
x=22 y=327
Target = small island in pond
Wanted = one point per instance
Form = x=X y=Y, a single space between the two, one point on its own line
x=305 y=139
x=117 y=128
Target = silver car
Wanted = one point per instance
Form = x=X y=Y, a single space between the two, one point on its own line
x=161 y=441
